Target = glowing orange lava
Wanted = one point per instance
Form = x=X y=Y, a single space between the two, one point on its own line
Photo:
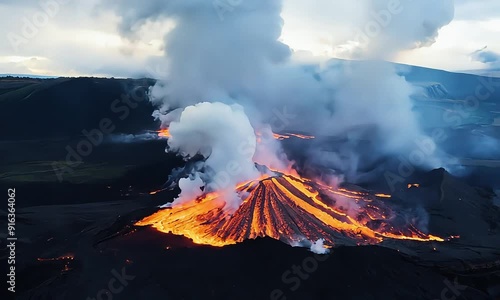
x=302 y=136
x=65 y=257
x=289 y=135
x=280 y=136
x=164 y=132
x=290 y=209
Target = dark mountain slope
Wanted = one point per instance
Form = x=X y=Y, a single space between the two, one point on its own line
x=64 y=107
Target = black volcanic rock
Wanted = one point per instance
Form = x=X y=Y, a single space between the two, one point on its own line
x=455 y=208
x=101 y=239
x=254 y=269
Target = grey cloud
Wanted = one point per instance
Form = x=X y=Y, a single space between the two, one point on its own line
x=404 y=24
x=474 y=10
x=487 y=56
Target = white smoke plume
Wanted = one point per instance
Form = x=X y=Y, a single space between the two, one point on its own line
x=395 y=25
x=190 y=187
x=236 y=56
x=318 y=247
x=222 y=134
x=211 y=53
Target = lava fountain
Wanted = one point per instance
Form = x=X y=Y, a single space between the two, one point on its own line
x=290 y=209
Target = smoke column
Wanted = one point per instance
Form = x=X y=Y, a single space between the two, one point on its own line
x=222 y=134
x=235 y=57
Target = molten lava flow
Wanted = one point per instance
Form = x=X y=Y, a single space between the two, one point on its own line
x=164 y=132
x=157 y=191
x=289 y=135
x=280 y=136
x=286 y=208
x=302 y=136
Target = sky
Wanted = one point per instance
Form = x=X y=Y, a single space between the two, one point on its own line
x=84 y=38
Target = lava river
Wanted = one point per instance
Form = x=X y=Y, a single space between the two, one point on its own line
x=289 y=209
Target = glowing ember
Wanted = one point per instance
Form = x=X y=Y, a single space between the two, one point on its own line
x=156 y=191
x=66 y=259
x=290 y=209
x=60 y=258
x=164 y=132
x=411 y=185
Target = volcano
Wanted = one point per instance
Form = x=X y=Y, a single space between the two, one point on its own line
x=291 y=209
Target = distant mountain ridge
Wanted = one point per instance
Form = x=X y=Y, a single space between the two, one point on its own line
x=63 y=106
x=28 y=76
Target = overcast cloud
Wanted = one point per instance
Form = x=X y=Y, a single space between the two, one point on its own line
x=92 y=38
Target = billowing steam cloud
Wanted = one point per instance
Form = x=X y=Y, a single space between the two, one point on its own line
x=215 y=51
x=232 y=54
x=222 y=134
x=395 y=25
